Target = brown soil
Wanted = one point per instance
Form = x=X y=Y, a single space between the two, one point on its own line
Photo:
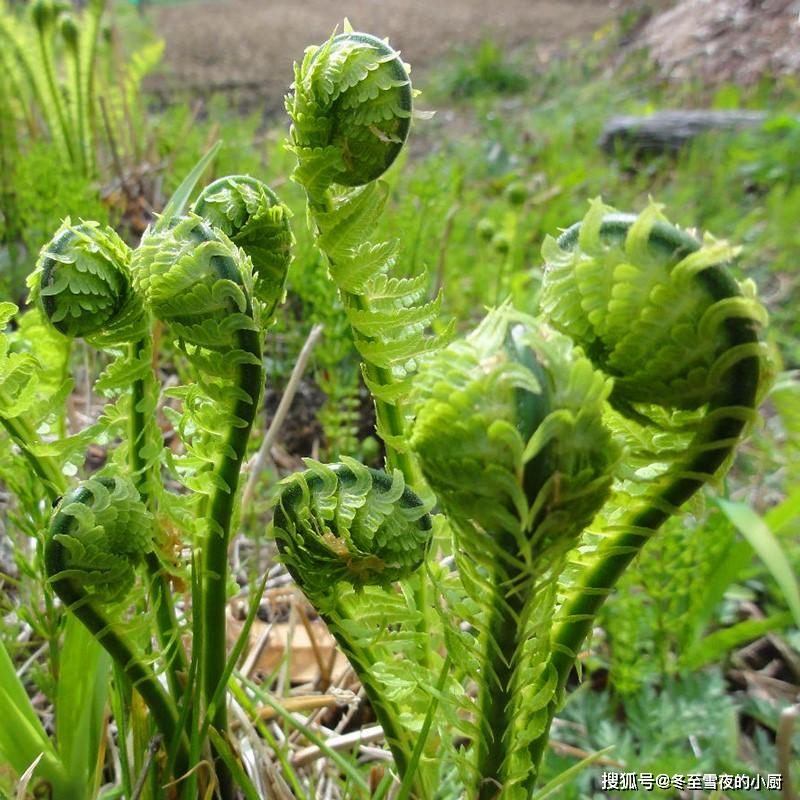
x=250 y=44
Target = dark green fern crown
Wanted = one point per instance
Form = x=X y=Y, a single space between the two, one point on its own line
x=346 y=522
x=351 y=107
x=247 y=211
x=83 y=283
x=651 y=305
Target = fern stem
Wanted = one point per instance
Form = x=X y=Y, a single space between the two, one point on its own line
x=711 y=446
x=88 y=58
x=220 y=512
x=503 y=630
x=160 y=596
x=396 y=738
x=119 y=648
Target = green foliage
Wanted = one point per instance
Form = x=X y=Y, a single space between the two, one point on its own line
x=463 y=626
x=485 y=70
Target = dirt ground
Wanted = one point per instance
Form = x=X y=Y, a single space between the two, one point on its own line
x=250 y=44
x=727 y=40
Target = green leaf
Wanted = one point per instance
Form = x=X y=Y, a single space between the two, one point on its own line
x=234 y=765
x=22 y=737
x=768 y=548
x=177 y=203
x=723 y=641
x=80 y=703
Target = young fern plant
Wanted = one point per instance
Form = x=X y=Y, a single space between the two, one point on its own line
x=519 y=431
x=215 y=297
x=510 y=436
x=660 y=312
x=351 y=108
x=348 y=524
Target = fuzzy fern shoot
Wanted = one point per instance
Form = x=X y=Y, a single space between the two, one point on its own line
x=510 y=435
x=83 y=283
x=249 y=212
x=346 y=522
x=351 y=106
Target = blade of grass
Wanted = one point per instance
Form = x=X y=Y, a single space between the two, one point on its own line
x=344 y=765
x=549 y=789
x=768 y=549
x=287 y=770
x=22 y=737
x=177 y=203
x=224 y=751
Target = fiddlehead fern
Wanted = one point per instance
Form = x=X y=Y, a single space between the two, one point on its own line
x=98 y=534
x=660 y=312
x=250 y=213
x=82 y=281
x=196 y=280
x=510 y=436
x=350 y=107
x=348 y=523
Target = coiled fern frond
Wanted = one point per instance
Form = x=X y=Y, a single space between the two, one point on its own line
x=83 y=283
x=99 y=534
x=510 y=436
x=348 y=534
x=250 y=213
x=346 y=522
x=351 y=111
x=351 y=107
x=660 y=312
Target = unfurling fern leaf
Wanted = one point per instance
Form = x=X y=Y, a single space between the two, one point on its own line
x=343 y=524
x=98 y=535
x=250 y=213
x=659 y=312
x=83 y=283
x=510 y=436
x=351 y=106
x=346 y=522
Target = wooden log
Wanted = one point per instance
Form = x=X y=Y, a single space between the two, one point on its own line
x=668 y=131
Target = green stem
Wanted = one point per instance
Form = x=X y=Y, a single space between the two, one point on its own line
x=48 y=64
x=45 y=468
x=396 y=736
x=501 y=642
x=119 y=648
x=220 y=512
x=711 y=446
x=159 y=590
